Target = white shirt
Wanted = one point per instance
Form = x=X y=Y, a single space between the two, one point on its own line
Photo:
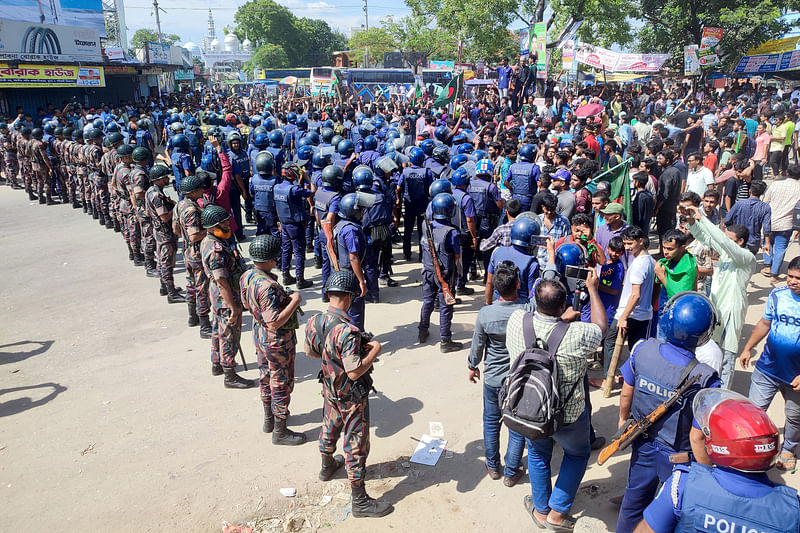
x=640 y=272
x=782 y=196
x=710 y=354
x=699 y=180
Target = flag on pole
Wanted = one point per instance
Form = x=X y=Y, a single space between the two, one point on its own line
x=417 y=93
x=619 y=186
x=451 y=91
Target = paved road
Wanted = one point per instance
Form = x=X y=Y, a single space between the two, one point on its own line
x=110 y=418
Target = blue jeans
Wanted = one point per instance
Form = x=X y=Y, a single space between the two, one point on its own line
x=728 y=368
x=779 y=242
x=649 y=466
x=763 y=389
x=574 y=439
x=491 y=435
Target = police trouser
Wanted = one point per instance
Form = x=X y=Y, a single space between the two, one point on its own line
x=525 y=200
x=27 y=174
x=167 y=250
x=310 y=234
x=276 y=354
x=411 y=216
x=649 y=466
x=378 y=238
x=11 y=168
x=42 y=180
x=102 y=200
x=248 y=201
x=485 y=228
x=431 y=291
x=293 y=239
x=352 y=418
x=357 y=305
x=467 y=256
x=267 y=223
x=327 y=267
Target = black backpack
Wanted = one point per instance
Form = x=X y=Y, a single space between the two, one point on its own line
x=531 y=403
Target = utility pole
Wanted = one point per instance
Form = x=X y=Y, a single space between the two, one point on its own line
x=366 y=28
x=158 y=20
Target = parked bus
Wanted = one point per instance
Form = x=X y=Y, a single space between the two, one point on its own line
x=322 y=81
x=373 y=83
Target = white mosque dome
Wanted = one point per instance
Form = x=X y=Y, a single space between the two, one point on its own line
x=192 y=47
x=215 y=45
x=247 y=45
x=231 y=43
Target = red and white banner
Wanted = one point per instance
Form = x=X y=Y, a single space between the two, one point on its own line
x=611 y=61
x=640 y=62
x=596 y=57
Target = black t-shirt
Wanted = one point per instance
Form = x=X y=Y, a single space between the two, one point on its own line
x=536 y=201
x=737 y=189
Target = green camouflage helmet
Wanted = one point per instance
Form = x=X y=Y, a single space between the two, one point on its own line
x=191 y=184
x=141 y=154
x=125 y=150
x=213 y=215
x=265 y=248
x=159 y=171
x=115 y=138
x=342 y=281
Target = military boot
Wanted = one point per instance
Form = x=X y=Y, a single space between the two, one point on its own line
x=110 y=223
x=76 y=204
x=150 y=267
x=269 y=419
x=162 y=291
x=235 y=381
x=130 y=252
x=205 y=327
x=95 y=214
x=303 y=283
x=138 y=259
x=32 y=196
x=330 y=465
x=50 y=201
x=317 y=262
x=117 y=226
x=174 y=296
x=65 y=198
x=86 y=208
x=366 y=507
x=284 y=436
x=42 y=199
x=288 y=279
x=101 y=219
x=194 y=320
x=216 y=369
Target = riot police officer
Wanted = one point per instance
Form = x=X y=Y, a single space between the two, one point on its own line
x=346 y=363
x=142 y=137
x=159 y=209
x=344 y=158
x=468 y=227
x=190 y=225
x=437 y=163
x=290 y=204
x=370 y=153
x=196 y=139
x=523 y=177
x=377 y=223
x=413 y=187
x=488 y=203
x=735 y=493
x=326 y=207
x=224 y=271
x=274 y=326
x=241 y=176
x=447 y=247
x=522 y=253
x=262 y=189
x=351 y=247
x=654 y=370
x=275 y=148
x=182 y=161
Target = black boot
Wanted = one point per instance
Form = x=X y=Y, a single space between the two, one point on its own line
x=269 y=419
x=235 y=381
x=50 y=201
x=286 y=437
x=138 y=259
x=330 y=465
x=101 y=219
x=449 y=345
x=162 y=291
x=65 y=198
x=110 y=223
x=303 y=283
x=42 y=199
x=194 y=320
x=216 y=369
x=130 y=253
x=366 y=507
x=205 y=327
x=86 y=208
x=288 y=279
x=76 y=204
x=95 y=214
x=150 y=267
x=317 y=262
x=32 y=196
x=174 y=296
x=117 y=226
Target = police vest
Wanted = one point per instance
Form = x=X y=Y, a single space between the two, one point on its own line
x=264 y=193
x=460 y=218
x=479 y=191
x=141 y=138
x=322 y=201
x=523 y=178
x=708 y=506
x=381 y=213
x=436 y=169
x=655 y=381
x=240 y=162
x=277 y=158
x=194 y=140
x=341 y=248
x=177 y=171
x=526 y=264
x=48 y=139
x=347 y=181
x=415 y=186
x=448 y=259
x=290 y=208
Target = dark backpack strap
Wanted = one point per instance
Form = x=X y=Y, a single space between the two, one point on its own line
x=528 y=333
x=556 y=336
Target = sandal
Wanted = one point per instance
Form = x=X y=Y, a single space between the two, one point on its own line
x=787 y=462
x=528 y=503
x=567 y=525
x=766 y=271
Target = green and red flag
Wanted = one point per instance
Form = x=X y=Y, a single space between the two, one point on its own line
x=619 y=186
x=451 y=91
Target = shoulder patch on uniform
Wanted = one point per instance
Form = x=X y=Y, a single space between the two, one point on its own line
x=217 y=246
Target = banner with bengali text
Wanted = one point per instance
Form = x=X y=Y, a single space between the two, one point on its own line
x=51 y=76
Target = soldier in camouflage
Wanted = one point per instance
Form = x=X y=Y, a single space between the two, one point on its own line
x=24 y=152
x=40 y=166
x=188 y=223
x=105 y=189
x=120 y=179
x=332 y=337
x=9 y=148
x=140 y=182
x=274 y=324
x=76 y=157
x=92 y=154
x=224 y=272
x=159 y=209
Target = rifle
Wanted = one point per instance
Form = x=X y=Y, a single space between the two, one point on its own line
x=237 y=340
x=634 y=429
x=326 y=229
x=449 y=299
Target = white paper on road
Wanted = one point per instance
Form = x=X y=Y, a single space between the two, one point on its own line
x=428 y=451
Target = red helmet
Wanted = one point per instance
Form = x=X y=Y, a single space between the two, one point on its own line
x=231 y=119
x=738 y=434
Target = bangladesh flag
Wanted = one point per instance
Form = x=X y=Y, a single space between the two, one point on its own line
x=619 y=186
x=451 y=91
x=417 y=93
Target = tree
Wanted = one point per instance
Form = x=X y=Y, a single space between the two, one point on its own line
x=268 y=56
x=376 y=41
x=144 y=35
x=265 y=21
x=322 y=42
x=417 y=39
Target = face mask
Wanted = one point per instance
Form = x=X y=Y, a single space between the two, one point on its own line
x=220 y=233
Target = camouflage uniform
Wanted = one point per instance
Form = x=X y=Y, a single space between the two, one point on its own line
x=23 y=149
x=120 y=180
x=59 y=146
x=219 y=262
x=96 y=183
x=38 y=154
x=188 y=213
x=157 y=203
x=140 y=181
x=264 y=297
x=10 y=160
x=76 y=157
x=105 y=191
x=337 y=340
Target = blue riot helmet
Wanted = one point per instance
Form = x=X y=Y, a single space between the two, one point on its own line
x=259 y=129
x=304 y=155
x=275 y=139
x=460 y=138
x=379 y=122
x=332 y=176
x=305 y=141
x=460 y=177
x=416 y=156
x=523 y=230
x=427 y=146
x=443 y=206
x=477 y=155
x=174 y=118
x=265 y=163
x=439 y=186
x=441 y=133
x=370 y=143
x=345 y=148
x=528 y=152
x=269 y=124
x=49 y=128
x=392 y=134
x=688 y=320
x=336 y=140
x=302 y=123
x=313 y=138
x=112 y=127
x=255 y=121
x=327 y=135
x=570 y=254
x=320 y=160
x=208 y=163
x=387 y=147
x=98 y=124
x=192 y=123
x=261 y=141
x=458 y=160
x=362 y=178
x=181 y=141
x=465 y=148
x=351 y=206
x=291 y=117
x=327 y=123
x=440 y=154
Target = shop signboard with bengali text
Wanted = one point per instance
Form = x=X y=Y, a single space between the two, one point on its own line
x=50 y=76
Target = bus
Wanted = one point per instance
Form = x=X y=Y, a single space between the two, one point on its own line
x=436 y=77
x=322 y=81
x=277 y=74
x=372 y=83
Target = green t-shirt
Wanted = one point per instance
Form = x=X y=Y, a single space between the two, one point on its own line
x=789 y=132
